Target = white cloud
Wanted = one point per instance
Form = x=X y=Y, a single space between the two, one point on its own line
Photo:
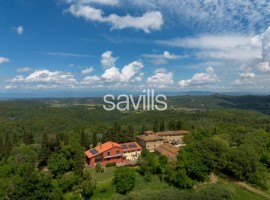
x=159 y=59
x=208 y=41
x=220 y=47
x=66 y=54
x=211 y=15
x=4 y=60
x=161 y=79
x=247 y=75
x=107 y=60
x=113 y=74
x=245 y=79
x=104 y=2
x=91 y=80
x=201 y=79
x=87 y=70
x=48 y=78
x=130 y=70
x=24 y=69
x=264 y=67
x=19 y=30
x=9 y=87
x=139 y=77
x=148 y=22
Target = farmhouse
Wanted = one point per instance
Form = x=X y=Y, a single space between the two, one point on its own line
x=150 y=141
x=174 y=137
x=112 y=152
x=167 y=150
x=131 y=151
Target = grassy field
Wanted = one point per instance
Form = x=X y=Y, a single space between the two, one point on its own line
x=105 y=189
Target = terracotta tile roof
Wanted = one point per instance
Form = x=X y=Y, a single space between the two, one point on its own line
x=179 y=132
x=151 y=137
x=101 y=148
x=167 y=149
x=131 y=146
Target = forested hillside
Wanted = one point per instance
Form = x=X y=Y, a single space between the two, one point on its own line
x=42 y=150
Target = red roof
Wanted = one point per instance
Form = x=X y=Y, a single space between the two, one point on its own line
x=101 y=148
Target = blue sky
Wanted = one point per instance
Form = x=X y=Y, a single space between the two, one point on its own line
x=98 y=45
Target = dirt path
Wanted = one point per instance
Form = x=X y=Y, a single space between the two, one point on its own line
x=252 y=189
x=214 y=178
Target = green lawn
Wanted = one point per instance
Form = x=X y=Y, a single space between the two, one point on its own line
x=105 y=189
x=240 y=192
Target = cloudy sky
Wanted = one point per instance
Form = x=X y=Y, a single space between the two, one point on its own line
x=95 y=45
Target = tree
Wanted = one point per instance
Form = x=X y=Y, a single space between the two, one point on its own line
x=15 y=138
x=87 y=189
x=78 y=163
x=124 y=180
x=179 y=125
x=143 y=129
x=44 y=151
x=94 y=139
x=155 y=126
x=28 y=137
x=8 y=146
x=85 y=140
x=162 y=126
x=268 y=129
x=57 y=193
x=2 y=147
x=98 y=167
x=58 y=164
x=171 y=125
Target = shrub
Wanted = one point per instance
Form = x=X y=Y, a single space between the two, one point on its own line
x=124 y=180
x=98 y=168
x=111 y=164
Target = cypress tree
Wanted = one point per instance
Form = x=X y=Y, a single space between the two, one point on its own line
x=78 y=164
x=15 y=138
x=44 y=151
x=8 y=147
x=179 y=125
x=268 y=129
x=1 y=146
x=94 y=139
x=143 y=129
x=155 y=126
x=85 y=140
x=162 y=126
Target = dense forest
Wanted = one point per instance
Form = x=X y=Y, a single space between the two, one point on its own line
x=42 y=144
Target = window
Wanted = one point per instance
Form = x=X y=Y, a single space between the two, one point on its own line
x=117 y=152
x=108 y=153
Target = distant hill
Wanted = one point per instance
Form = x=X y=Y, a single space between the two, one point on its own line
x=251 y=102
x=213 y=101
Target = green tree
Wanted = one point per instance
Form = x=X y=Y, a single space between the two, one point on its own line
x=94 y=139
x=155 y=126
x=124 y=180
x=179 y=125
x=44 y=151
x=87 y=189
x=58 y=164
x=78 y=163
x=28 y=137
x=268 y=129
x=85 y=140
x=162 y=126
